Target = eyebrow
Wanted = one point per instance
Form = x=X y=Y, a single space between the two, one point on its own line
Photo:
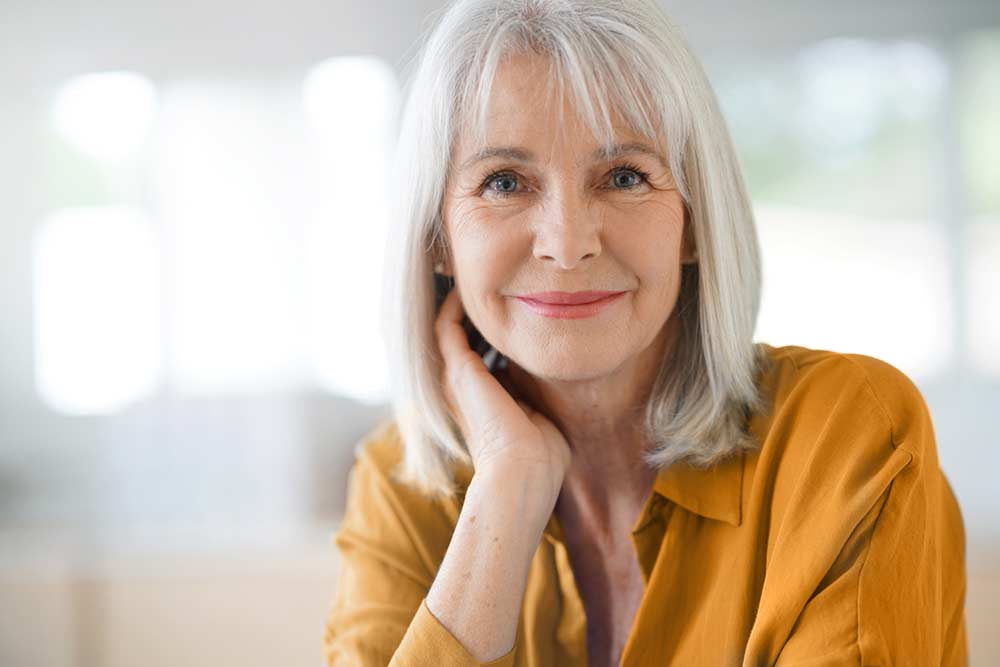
x=524 y=155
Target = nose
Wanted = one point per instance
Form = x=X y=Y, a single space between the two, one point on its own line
x=568 y=231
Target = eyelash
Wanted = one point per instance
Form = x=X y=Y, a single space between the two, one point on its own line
x=643 y=175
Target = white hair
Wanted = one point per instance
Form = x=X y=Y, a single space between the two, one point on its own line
x=621 y=57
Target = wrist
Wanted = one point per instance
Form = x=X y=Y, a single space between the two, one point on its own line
x=539 y=486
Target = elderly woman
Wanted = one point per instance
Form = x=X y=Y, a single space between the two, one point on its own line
x=591 y=461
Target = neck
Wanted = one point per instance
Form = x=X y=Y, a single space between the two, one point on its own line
x=602 y=419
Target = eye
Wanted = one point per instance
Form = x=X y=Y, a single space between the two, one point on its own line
x=506 y=184
x=503 y=184
x=627 y=177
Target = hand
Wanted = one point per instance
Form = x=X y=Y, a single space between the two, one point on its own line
x=500 y=430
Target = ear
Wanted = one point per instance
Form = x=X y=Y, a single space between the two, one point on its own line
x=689 y=249
x=442 y=263
x=441 y=255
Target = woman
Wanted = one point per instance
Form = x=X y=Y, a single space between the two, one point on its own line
x=591 y=461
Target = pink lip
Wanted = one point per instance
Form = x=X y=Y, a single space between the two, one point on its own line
x=569 y=305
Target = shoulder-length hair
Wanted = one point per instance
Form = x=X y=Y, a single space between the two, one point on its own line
x=612 y=56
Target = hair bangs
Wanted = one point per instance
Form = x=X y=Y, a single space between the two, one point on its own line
x=604 y=75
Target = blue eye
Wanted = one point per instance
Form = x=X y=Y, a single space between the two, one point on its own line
x=627 y=178
x=506 y=184
x=502 y=184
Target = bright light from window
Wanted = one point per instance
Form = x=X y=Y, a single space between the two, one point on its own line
x=96 y=296
x=982 y=280
x=917 y=75
x=107 y=114
x=228 y=184
x=851 y=85
x=352 y=105
x=843 y=94
x=843 y=284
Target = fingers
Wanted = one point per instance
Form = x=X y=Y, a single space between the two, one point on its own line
x=459 y=359
x=474 y=395
x=451 y=336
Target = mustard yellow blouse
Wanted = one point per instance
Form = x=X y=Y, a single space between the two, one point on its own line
x=838 y=542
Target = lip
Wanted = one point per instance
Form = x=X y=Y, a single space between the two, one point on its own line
x=570 y=305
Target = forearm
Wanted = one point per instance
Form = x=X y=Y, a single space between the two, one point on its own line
x=479 y=587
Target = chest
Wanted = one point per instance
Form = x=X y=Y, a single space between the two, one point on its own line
x=611 y=589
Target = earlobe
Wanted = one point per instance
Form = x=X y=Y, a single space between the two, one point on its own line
x=690 y=255
x=441 y=257
x=443 y=268
x=442 y=264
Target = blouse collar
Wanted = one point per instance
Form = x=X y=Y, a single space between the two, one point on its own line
x=715 y=492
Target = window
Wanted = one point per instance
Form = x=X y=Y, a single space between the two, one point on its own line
x=218 y=237
x=96 y=315
x=838 y=144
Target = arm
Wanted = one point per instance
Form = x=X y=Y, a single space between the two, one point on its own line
x=873 y=540
x=470 y=612
x=895 y=594
x=478 y=590
x=391 y=542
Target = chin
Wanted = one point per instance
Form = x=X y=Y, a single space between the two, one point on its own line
x=568 y=363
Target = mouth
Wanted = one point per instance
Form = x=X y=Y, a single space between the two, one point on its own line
x=570 y=305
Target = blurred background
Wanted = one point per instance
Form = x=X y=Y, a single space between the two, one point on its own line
x=192 y=211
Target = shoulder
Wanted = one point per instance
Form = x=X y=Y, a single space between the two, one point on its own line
x=844 y=430
x=817 y=384
x=380 y=450
x=384 y=512
x=381 y=454
x=841 y=428
x=849 y=490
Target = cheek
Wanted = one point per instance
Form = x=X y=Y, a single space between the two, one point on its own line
x=483 y=240
x=652 y=249
x=485 y=257
x=659 y=287
x=654 y=258
x=482 y=258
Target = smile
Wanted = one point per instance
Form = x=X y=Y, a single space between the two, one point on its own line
x=570 y=305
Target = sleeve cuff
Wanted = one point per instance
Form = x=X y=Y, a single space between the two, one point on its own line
x=428 y=642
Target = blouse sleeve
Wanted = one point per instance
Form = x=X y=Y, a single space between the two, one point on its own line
x=379 y=616
x=894 y=593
